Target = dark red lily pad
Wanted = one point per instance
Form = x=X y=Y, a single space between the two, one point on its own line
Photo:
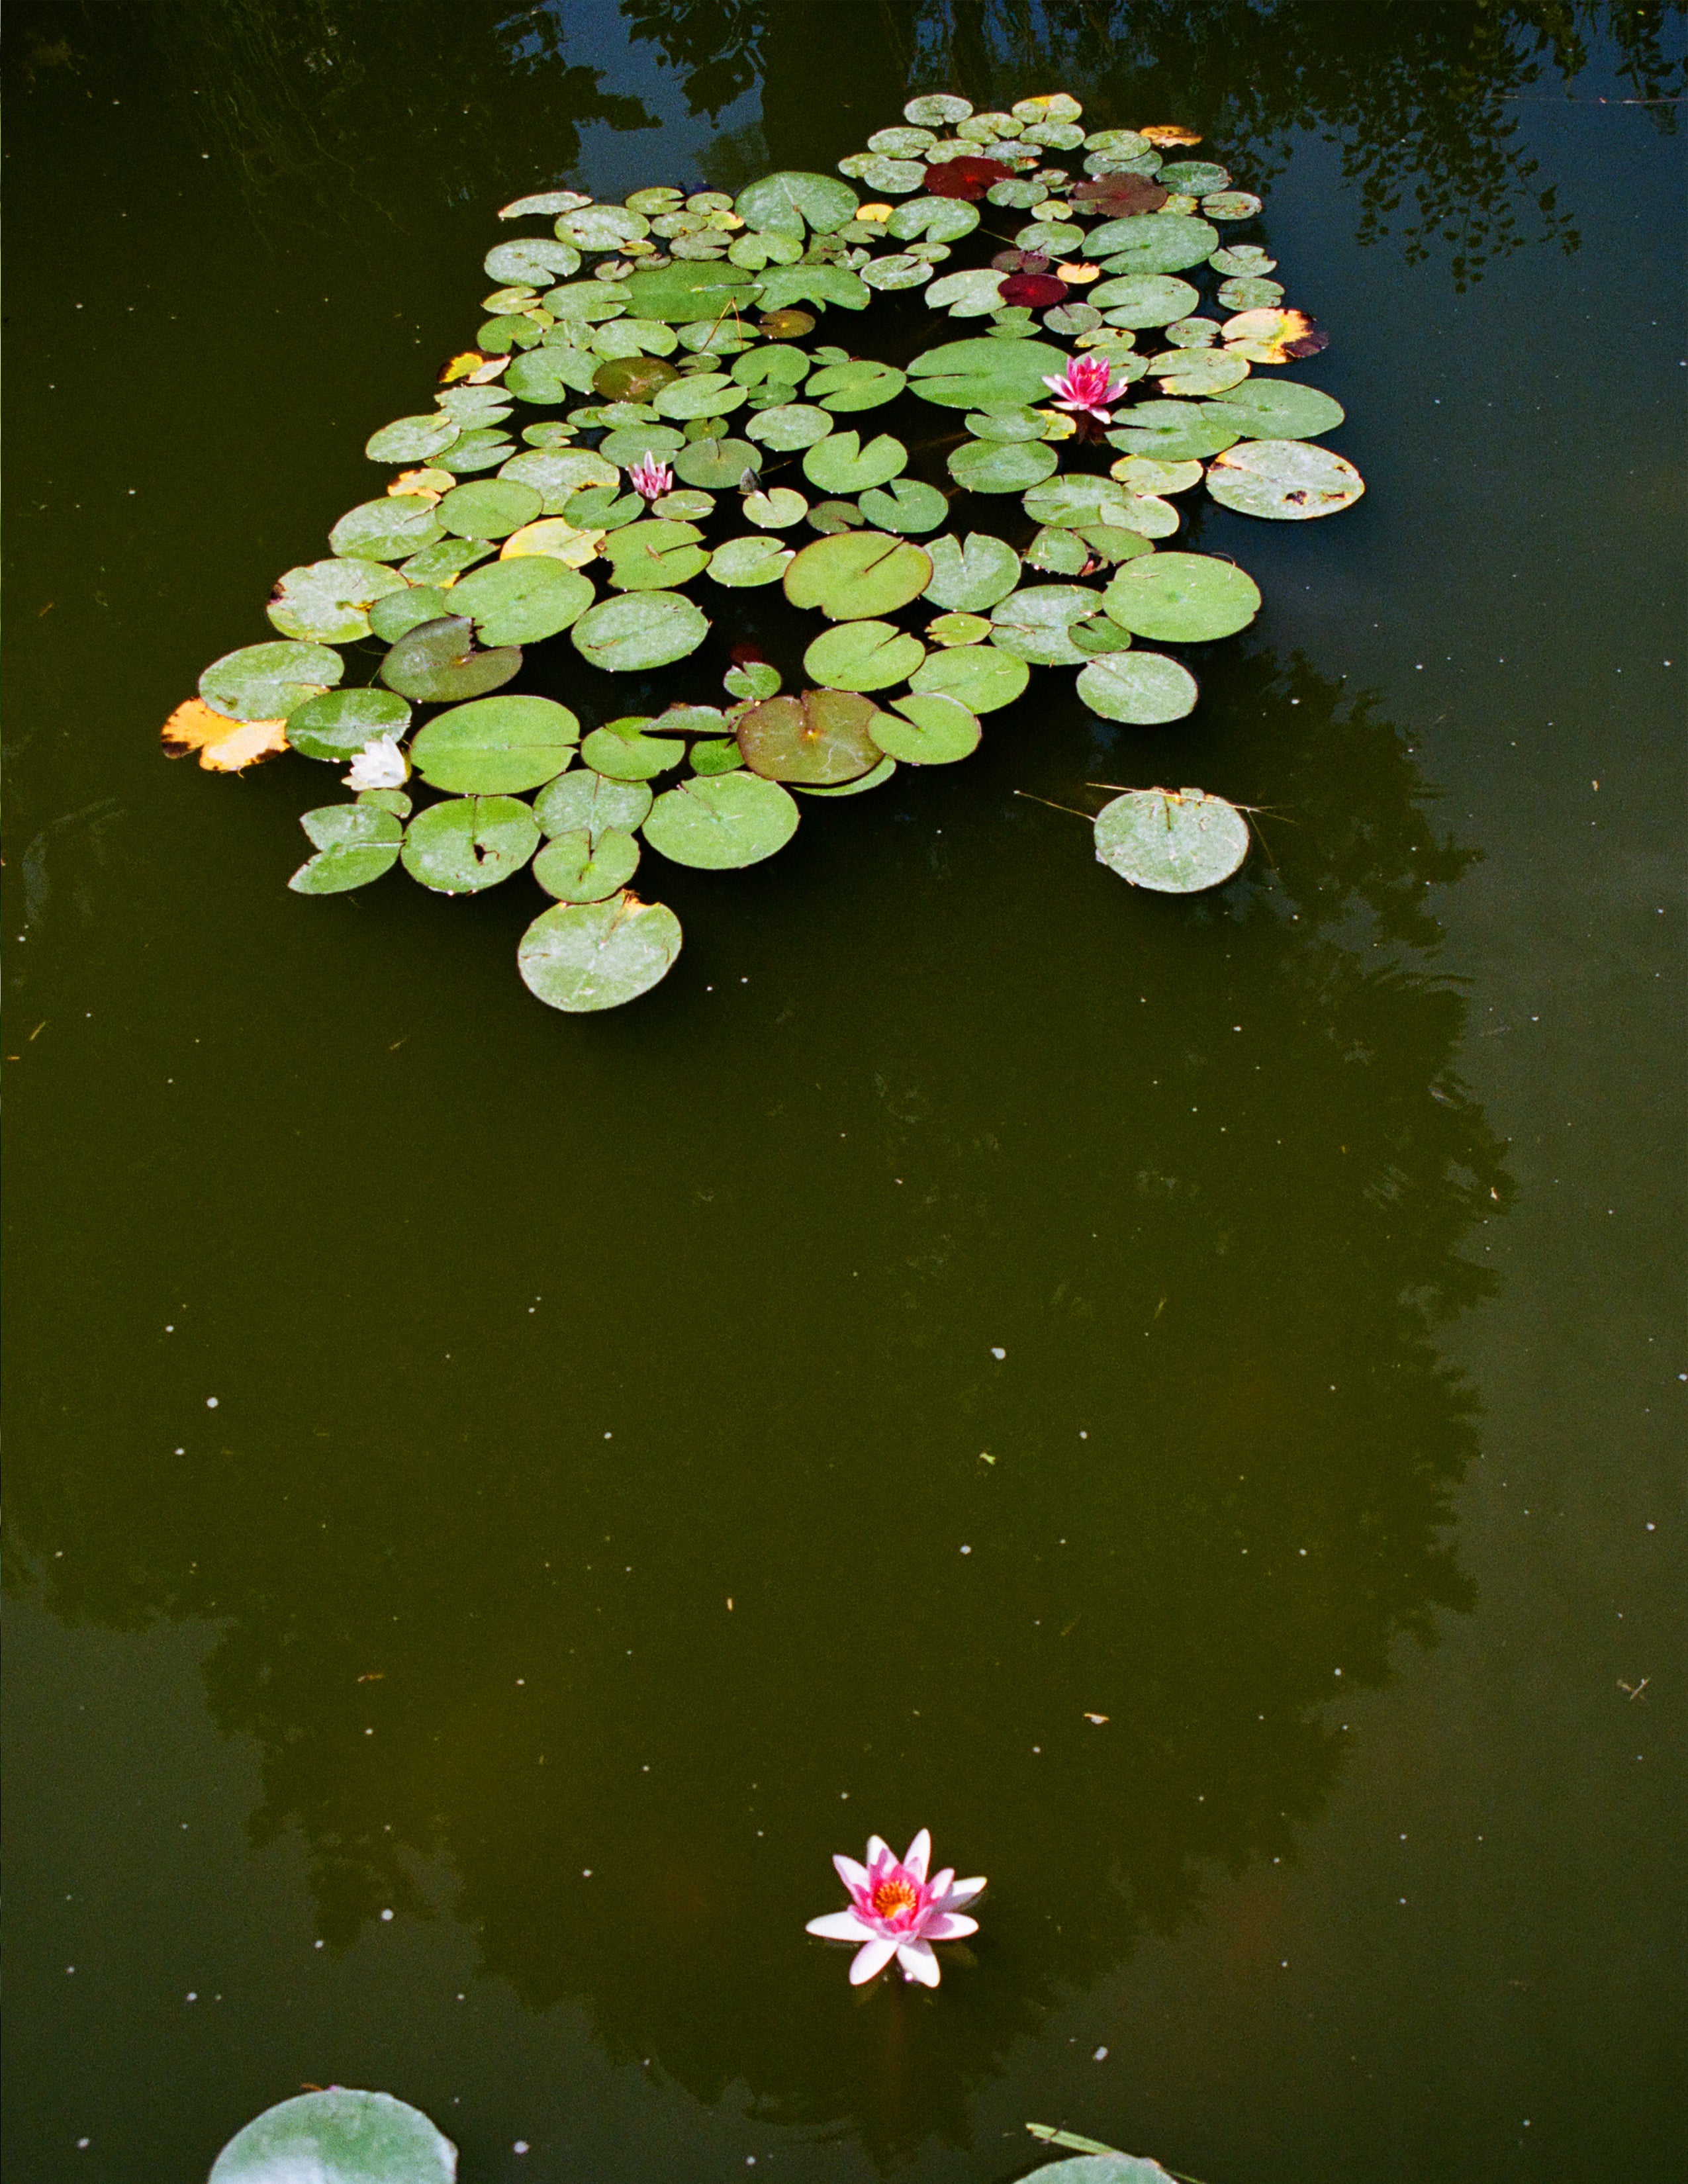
x=965 y=177
x=1119 y=197
x=1021 y=261
x=1038 y=290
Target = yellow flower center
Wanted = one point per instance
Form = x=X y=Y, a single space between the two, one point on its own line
x=892 y=1897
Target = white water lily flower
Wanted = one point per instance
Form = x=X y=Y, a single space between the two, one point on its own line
x=379 y=764
x=896 y=1912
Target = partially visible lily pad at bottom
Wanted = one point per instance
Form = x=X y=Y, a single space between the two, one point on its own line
x=1173 y=842
x=588 y=955
x=340 y=2136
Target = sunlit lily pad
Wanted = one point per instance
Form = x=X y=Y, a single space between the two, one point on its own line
x=934 y=220
x=387 y=530
x=599 y=227
x=496 y=745
x=549 y=203
x=742 y=562
x=857 y=575
x=863 y=655
x=654 y=555
x=1287 y=480
x=521 y=600
x=340 y=2136
x=588 y=955
x=969 y=294
x=927 y=730
x=356 y=843
x=819 y=738
x=622 y=751
x=1143 y=474
x=1142 y=688
x=840 y=464
x=1173 y=842
x=972 y=577
x=899 y=269
x=557 y=538
x=936 y=109
x=862 y=384
x=1250 y=295
x=680 y=294
x=1002 y=466
x=532 y=261
x=1153 y=242
x=411 y=439
x=1199 y=177
x=793 y=203
x=470 y=843
x=391 y=617
x=579 y=867
x=1271 y=336
x=1174 y=431
x=585 y=799
x=1058 y=553
x=1230 y=204
x=789 y=426
x=700 y=394
x=1278 y=409
x=980 y=677
x=587 y=302
x=1184 y=373
x=721 y=821
x=490 y=508
x=639 y=630
x=338 y=724
x=715 y=466
x=555 y=474
x=447 y=558
x=328 y=602
x=977 y=375
x=1144 y=299
x=958 y=628
x=1182 y=598
x=266 y=682
x=437 y=663
x=776 y=509
x=904 y=505
x=1033 y=622
x=552 y=375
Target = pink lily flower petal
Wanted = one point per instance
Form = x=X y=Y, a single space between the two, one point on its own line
x=877 y=1848
x=918 y=1963
x=962 y=1892
x=918 y=1855
x=868 y=1963
x=940 y=1887
x=948 y=1926
x=841 y=1926
x=895 y=1911
x=853 y=1876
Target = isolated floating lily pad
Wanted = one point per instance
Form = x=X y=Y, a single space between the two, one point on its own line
x=980 y=677
x=581 y=957
x=1288 y=481
x=266 y=682
x=1182 y=598
x=819 y=739
x=437 y=663
x=1278 y=409
x=641 y=630
x=1270 y=336
x=340 y=2136
x=863 y=655
x=854 y=576
x=496 y=745
x=973 y=374
x=522 y=600
x=721 y=821
x=337 y=725
x=584 y=798
x=972 y=577
x=356 y=843
x=579 y=867
x=1173 y=842
x=470 y=843
x=927 y=730
x=1142 y=688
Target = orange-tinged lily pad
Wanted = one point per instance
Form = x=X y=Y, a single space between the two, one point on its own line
x=1270 y=336
x=428 y=485
x=476 y=367
x=1168 y=133
x=224 y=746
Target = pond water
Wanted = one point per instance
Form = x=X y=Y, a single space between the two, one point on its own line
x=1181 y=1398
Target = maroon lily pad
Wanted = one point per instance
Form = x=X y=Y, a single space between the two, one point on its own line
x=1039 y=290
x=965 y=177
x=1120 y=196
x=1021 y=261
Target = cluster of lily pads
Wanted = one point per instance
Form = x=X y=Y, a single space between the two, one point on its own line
x=680 y=425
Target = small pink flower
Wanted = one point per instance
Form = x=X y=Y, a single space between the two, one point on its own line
x=897 y=1912
x=1088 y=385
x=649 y=478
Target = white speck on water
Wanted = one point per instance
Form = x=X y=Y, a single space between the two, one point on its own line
x=1100 y=2055
x=386 y=1915
x=210 y=1402
x=520 y=2146
x=967 y=1551
x=998 y=1354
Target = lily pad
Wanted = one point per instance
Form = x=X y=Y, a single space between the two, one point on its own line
x=715 y=466
x=863 y=655
x=977 y=375
x=1144 y=299
x=1271 y=336
x=715 y=755
x=1174 y=431
x=340 y=2136
x=1278 y=409
x=815 y=740
x=935 y=219
x=411 y=439
x=904 y=505
x=266 y=682
x=854 y=576
x=552 y=375
x=491 y=508
x=586 y=955
x=980 y=677
x=1251 y=295
x=880 y=774
x=840 y=464
x=1142 y=688
x=337 y=725
x=328 y=602
x=555 y=474
x=680 y=294
x=700 y=394
x=937 y=109
x=641 y=630
x=958 y=628
x=437 y=663
x=1175 y=842
x=972 y=577
x=1201 y=178
x=446 y=558
x=863 y=383
x=599 y=227
x=789 y=427
x=622 y=751
x=1002 y=466
x=794 y=203
x=1076 y=500
x=585 y=799
x=931 y=731
x=1230 y=204
x=579 y=867
x=1287 y=480
x=532 y=261
x=745 y=562
x=1033 y=622
x=1153 y=242
x=776 y=509
x=387 y=530
x=784 y=286
x=356 y=843
x=718 y=823
x=654 y=555
x=586 y=302
x=470 y=843
x=522 y=600
x=1143 y=474
x=399 y=612
x=900 y=269
x=1182 y=598
x=1058 y=553
x=1188 y=372
x=496 y=745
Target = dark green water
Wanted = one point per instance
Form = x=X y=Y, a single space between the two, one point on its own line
x=591 y=1533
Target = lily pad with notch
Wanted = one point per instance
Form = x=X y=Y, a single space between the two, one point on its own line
x=1145 y=688
x=715 y=466
x=1153 y=242
x=589 y=956
x=400 y=612
x=1033 y=622
x=720 y=822
x=470 y=843
x=1182 y=598
x=840 y=464
x=639 y=630
x=1173 y=841
x=681 y=293
x=815 y=740
x=437 y=663
x=579 y=867
x=1144 y=299
x=412 y=439
x=387 y=530
x=789 y=426
x=621 y=750
x=328 y=602
x=491 y=507
x=983 y=677
x=1278 y=409
x=904 y=505
x=863 y=655
x=1174 y=431
x=928 y=729
x=1002 y=466
x=521 y=600
x=973 y=577
x=495 y=746
x=980 y=375
x=863 y=383
x=548 y=376
x=336 y=725
x=794 y=203
x=654 y=555
x=854 y=576
x=267 y=681
x=355 y=843
x=585 y=799
x=933 y=219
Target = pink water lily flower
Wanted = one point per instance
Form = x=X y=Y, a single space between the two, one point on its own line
x=1088 y=386
x=649 y=478
x=897 y=1912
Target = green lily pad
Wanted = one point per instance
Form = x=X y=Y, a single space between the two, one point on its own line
x=972 y=577
x=748 y=561
x=1142 y=688
x=782 y=286
x=437 y=663
x=600 y=508
x=399 y=612
x=776 y=363
x=789 y=427
x=1184 y=373
x=585 y=799
x=599 y=227
x=586 y=302
x=830 y=515
x=1002 y=466
x=977 y=375
x=931 y=731
x=1072 y=500
x=900 y=269
x=641 y=630
x=579 y=867
x=1053 y=238
x=1250 y=295
x=551 y=375
x=1174 y=431
x=482 y=450
x=631 y=443
x=901 y=143
x=1152 y=242
x=840 y=465
x=892 y=178
x=521 y=600
x=1278 y=409
x=700 y=394
x=1182 y=598
x=470 y=843
x=1143 y=474
x=337 y=725
x=718 y=823
x=491 y=508
x=958 y=628
x=875 y=779
x=586 y=956
x=328 y=602
x=755 y=251
x=617 y=339
x=1230 y=204
x=1058 y=553
x=340 y=2136
x=681 y=294
x=266 y=682
x=980 y=677
x=447 y=558
x=818 y=740
x=937 y=109
x=715 y=466
x=971 y=293
x=1287 y=480
x=938 y=219
x=356 y=844
x=863 y=655
x=857 y=575
x=793 y=203
x=411 y=439
x=532 y=261
x=1175 y=842
x=776 y=509
x=1033 y=622
x=751 y=680
x=496 y=745
x=904 y=505
x=1004 y=423
x=555 y=474
x=715 y=755
x=1098 y=633
x=1144 y=299
x=1201 y=178
x=386 y=530
x=654 y=555
x=860 y=384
